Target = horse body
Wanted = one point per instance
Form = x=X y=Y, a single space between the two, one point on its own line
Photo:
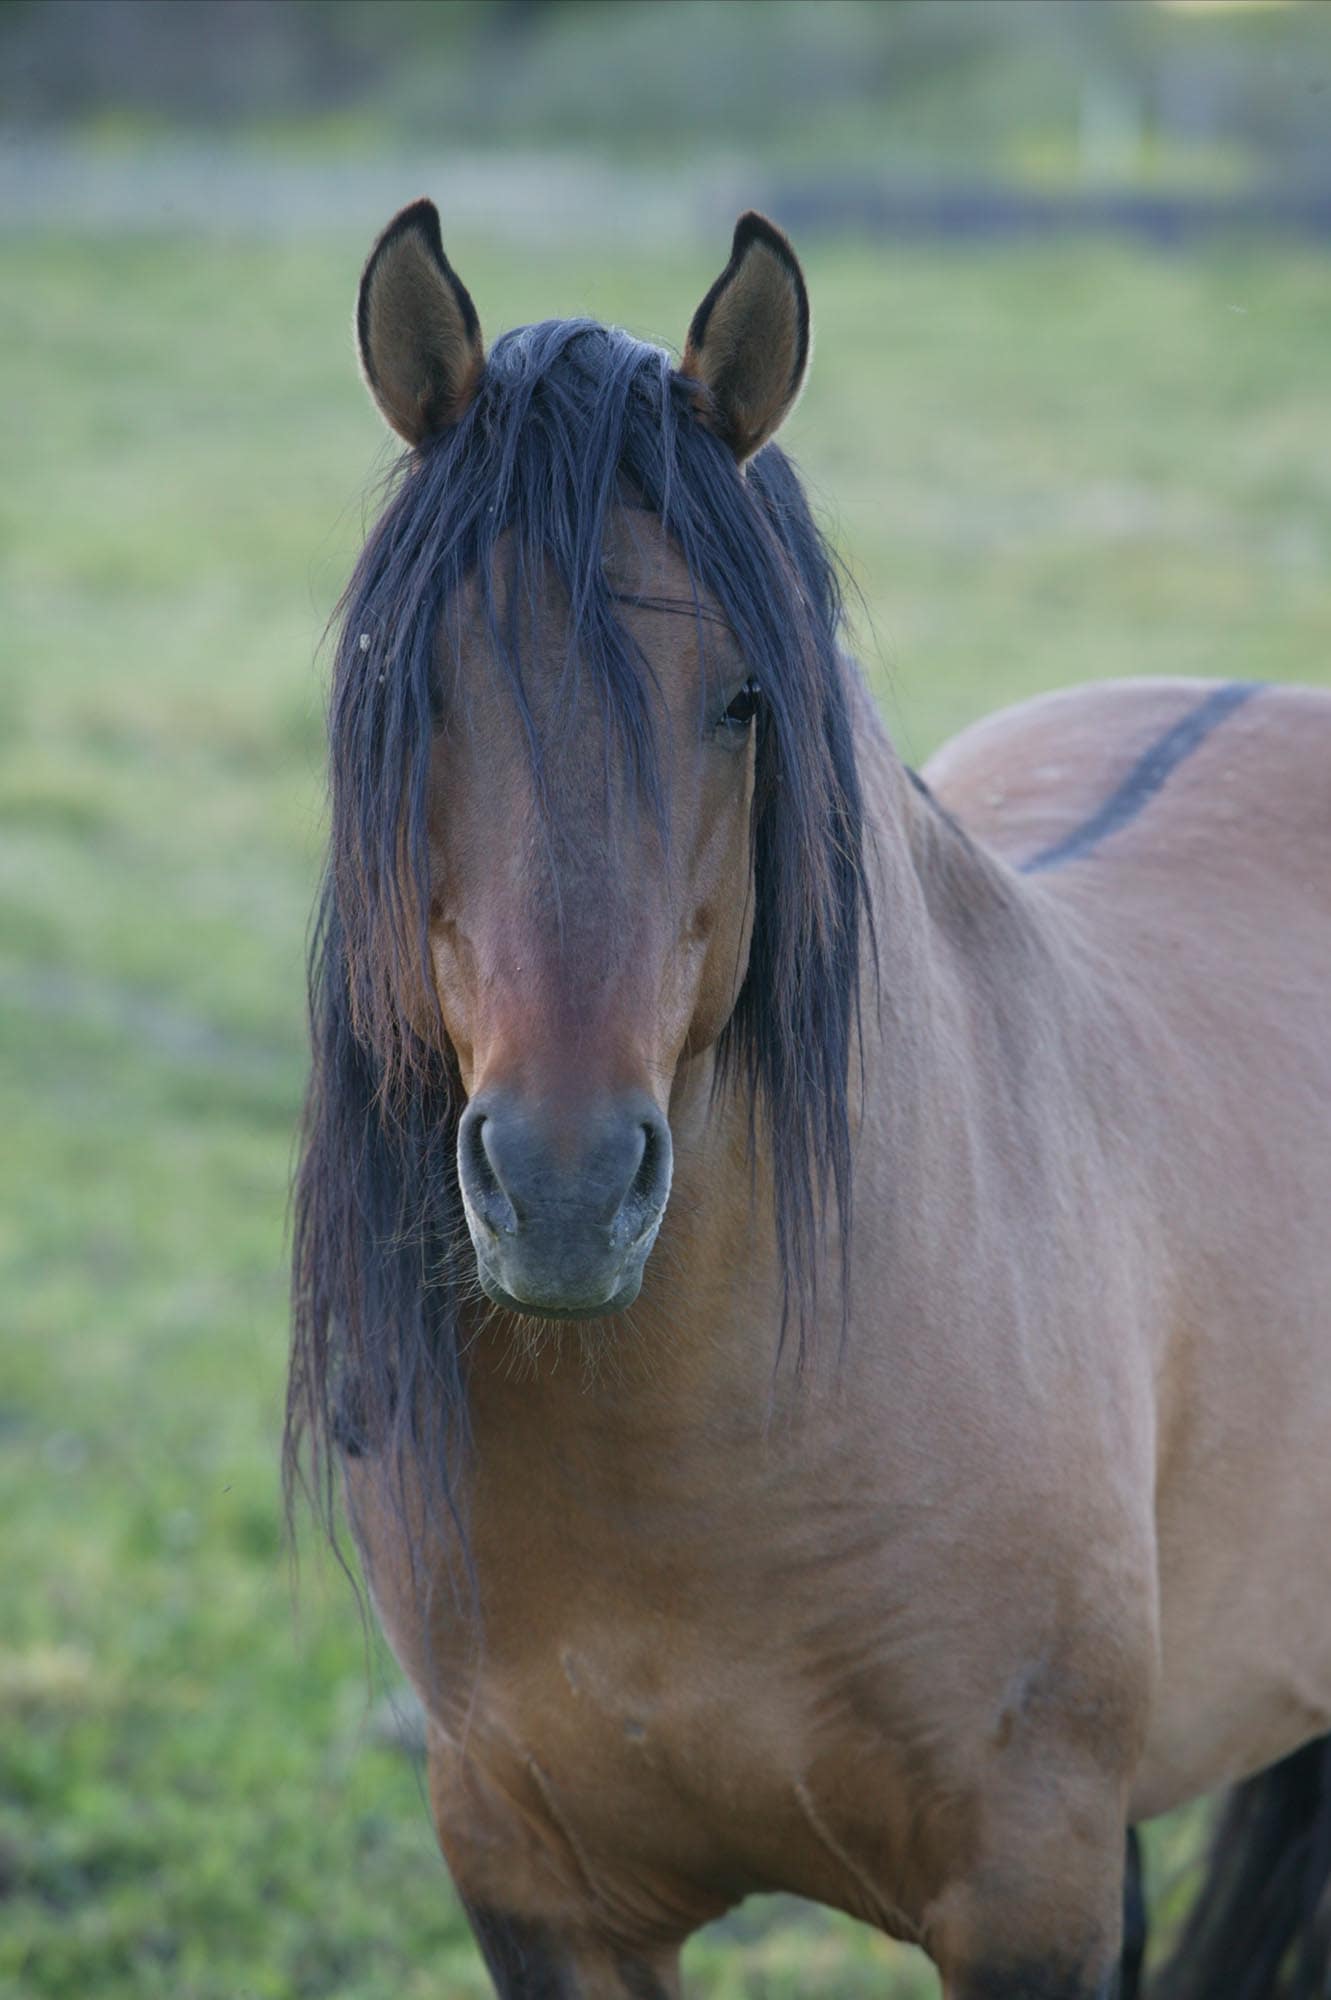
x=1206 y=925
x=1065 y=1369
x=914 y=1608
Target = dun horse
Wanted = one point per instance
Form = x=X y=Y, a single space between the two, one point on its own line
x=816 y=1282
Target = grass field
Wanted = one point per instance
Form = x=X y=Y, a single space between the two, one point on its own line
x=1043 y=465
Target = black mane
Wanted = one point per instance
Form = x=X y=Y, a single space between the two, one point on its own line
x=570 y=418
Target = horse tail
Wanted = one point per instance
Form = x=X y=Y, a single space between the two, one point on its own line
x=1260 y=1928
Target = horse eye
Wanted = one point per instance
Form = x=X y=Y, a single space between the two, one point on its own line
x=745 y=705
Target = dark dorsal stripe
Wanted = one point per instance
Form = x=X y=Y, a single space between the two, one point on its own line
x=1148 y=775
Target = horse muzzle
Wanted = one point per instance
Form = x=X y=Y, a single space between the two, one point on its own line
x=563 y=1210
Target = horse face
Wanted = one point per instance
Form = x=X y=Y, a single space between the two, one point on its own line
x=584 y=937
x=583 y=942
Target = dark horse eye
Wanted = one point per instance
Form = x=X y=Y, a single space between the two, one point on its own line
x=744 y=707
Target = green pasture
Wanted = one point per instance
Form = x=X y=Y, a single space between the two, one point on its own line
x=1043 y=465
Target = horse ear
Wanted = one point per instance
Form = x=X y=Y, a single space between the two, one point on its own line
x=417 y=332
x=749 y=342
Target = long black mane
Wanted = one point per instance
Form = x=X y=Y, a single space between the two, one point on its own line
x=571 y=419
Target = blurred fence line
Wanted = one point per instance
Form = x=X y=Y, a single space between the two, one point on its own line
x=988 y=211
x=214 y=186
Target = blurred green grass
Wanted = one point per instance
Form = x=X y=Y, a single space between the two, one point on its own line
x=1044 y=465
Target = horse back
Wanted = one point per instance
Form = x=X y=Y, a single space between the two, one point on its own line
x=1147 y=771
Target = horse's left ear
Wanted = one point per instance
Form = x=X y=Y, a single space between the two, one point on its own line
x=749 y=342
x=419 y=339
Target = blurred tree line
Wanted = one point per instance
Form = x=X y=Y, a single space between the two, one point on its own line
x=1054 y=89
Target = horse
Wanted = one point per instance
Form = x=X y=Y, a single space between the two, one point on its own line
x=812 y=1280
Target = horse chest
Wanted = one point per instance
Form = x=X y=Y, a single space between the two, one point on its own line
x=738 y=1716
x=667 y=1768
x=705 y=1672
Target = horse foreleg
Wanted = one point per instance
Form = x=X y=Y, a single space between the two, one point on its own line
x=552 y=1922
x=1038 y=1912
x=1036 y=1982
x=532 y=1961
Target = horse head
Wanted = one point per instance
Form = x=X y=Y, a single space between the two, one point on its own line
x=587 y=903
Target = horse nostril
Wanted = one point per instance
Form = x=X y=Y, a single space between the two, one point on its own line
x=649 y=1168
x=481 y=1184
x=646 y=1196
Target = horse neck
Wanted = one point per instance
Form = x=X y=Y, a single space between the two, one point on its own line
x=959 y=964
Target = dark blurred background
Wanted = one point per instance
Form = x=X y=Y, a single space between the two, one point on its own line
x=1220 y=94
x=969 y=114
x=1068 y=417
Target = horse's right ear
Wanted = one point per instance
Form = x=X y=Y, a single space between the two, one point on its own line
x=417 y=332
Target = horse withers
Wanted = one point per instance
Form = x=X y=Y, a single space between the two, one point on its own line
x=815 y=1282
